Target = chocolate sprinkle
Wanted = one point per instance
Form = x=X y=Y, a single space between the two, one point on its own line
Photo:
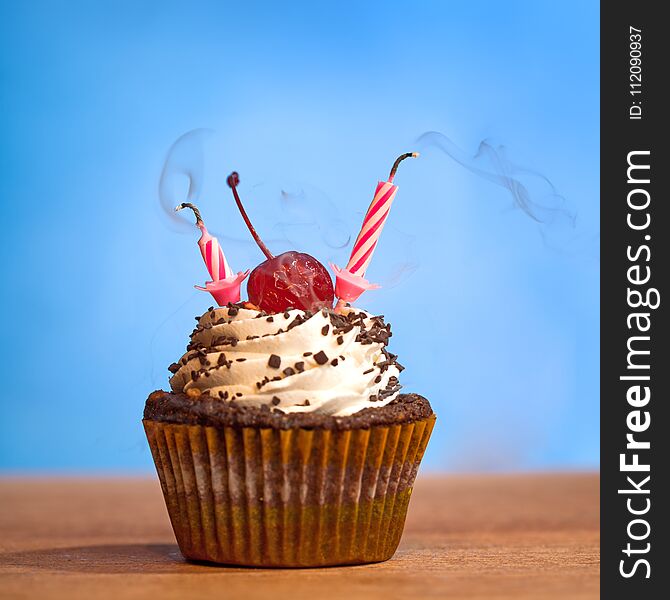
x=307 y=354
x=334 y=362
x=275 y=400
x=288 y=371
x=299 y=320
x=274 y=361
x=340 y=340
x=321 y=357
x=224 y=340
x=324 y=329
x=300 y=366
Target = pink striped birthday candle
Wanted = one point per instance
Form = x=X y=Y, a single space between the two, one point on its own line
x=225 y=284
x=350 y=281
x=212 y=254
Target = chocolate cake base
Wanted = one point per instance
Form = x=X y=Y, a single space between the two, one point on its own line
x=179 y=408
x=250 y=486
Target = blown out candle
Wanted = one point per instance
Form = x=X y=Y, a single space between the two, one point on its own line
x=225 y=284
x=350 y=281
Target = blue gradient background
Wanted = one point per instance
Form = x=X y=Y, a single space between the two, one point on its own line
x=497 y=328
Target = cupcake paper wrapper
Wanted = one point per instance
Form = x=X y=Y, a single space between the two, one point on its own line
x=287 y=498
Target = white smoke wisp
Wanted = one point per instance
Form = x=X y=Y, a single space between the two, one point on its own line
x=532 y=192
x=182 y=177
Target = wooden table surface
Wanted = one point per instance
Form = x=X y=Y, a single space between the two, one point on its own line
x=518 y=536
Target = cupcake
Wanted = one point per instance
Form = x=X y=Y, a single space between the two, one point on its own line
x=285 y=440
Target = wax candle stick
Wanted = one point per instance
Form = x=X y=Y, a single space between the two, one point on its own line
x=350 y=281
x=225 y=284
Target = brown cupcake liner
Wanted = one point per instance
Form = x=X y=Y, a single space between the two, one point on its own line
x=287 y=498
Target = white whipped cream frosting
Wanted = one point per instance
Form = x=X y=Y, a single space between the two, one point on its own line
x=234 y=352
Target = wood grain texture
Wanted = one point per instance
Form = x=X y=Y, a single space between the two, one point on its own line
x=493 y=537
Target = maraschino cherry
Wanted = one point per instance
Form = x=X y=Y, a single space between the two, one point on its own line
x=289 y=280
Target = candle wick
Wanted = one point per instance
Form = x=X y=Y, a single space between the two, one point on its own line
x=397 y=162
x=193 y=207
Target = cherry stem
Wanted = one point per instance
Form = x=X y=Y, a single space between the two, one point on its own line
x=193 y=207
x=397 y=162
x=233 y=180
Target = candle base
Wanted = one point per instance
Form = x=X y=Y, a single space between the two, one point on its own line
x=349 y=286
x=225 y=290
